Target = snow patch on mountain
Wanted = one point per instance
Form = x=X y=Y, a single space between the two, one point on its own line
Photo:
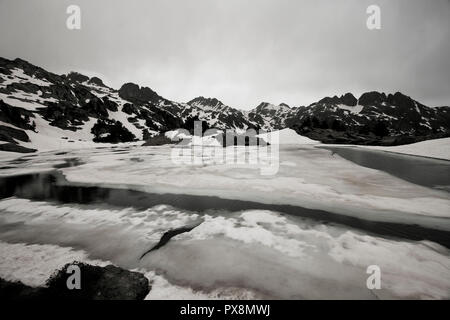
x=353 y=109
x=286 y=136
x=19 y=76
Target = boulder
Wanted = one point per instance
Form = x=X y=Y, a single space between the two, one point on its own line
x=97 y=283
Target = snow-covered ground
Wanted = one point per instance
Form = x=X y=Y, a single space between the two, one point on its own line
x=33 y=264
x=246 y=254
x=286 y=136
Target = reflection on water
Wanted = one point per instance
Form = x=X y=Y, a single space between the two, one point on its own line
x=419 y=170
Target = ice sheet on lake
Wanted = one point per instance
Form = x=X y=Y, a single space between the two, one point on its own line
x=262 y=253
x=307 y=177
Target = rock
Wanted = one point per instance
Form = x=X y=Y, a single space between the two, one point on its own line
x=129 y=108
x=328 y=100
x=372 y=98
x=96 y=108
x=63 y=115
x=12 y=147
x=132 y=92
x=77 y=77
x=18 y=117
x=9 y=134
x=111 y=131
x=97 y=283
x=96 y=81
x=349 y=99
x=16 y=290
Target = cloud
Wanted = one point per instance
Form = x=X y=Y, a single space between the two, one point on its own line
x=241 y=51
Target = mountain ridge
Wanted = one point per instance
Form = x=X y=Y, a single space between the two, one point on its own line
x=35 y=103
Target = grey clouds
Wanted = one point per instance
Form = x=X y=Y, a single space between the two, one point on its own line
x=240 y=51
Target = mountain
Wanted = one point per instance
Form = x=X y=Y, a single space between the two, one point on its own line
x=271 y=117
x=216 y=114
x=374 y=118
x=40 y=110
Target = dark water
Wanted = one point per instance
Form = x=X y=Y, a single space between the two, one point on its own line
x=53 y=187
x=426 y=172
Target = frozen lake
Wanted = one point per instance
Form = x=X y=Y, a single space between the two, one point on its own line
x=310 y=231
x=427 y=172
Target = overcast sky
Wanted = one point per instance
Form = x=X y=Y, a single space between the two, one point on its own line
x=240 y=51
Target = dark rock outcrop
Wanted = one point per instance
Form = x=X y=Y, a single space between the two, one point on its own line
x=18 y=117
x=16 y=290
x=111 y=131
x=12 y=147
x=372 y=98
x=9 y=134
x=349 y=99
x=138 y=95
x=158 y=140
x=77 y=77
x=96 y=81
x=97 y=283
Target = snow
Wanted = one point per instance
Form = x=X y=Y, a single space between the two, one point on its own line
x=123 y=118
x=26 y=100
x=33 y=264
x=286 y=136
x=186 y=139
x=209 y=140
x=353 y=109
x=48 y=137
x=164 y=290
x=438 y=148
x=18 y=76
x=176 y=135
x=244 y=254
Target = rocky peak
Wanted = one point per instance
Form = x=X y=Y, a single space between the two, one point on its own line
x=138 y=95
x=265 y=106
x=29 y=69
x=347 y=99
x=76 y=77
x=96 y=81
x=400 y=100
x=397 y=99
x=372 y=98
x=208 y=102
